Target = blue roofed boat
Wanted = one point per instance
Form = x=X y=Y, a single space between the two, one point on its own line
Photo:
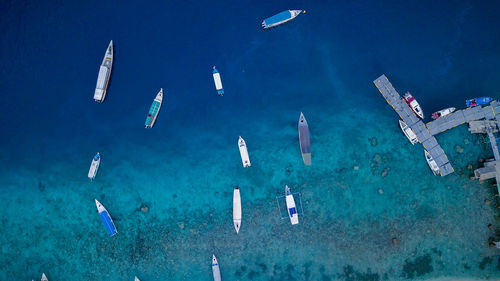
x=478 y=101
x=106 y=218
x=280 y=18
x=154 y=110
x=218 y=82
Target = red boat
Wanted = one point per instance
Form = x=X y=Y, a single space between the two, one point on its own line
x=413 y=104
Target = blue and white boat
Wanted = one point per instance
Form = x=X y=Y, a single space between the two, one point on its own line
x=290 y=205
x=478 y=101
x=215 y=269
x=106 y=218
x=280 y=18
x=94 y=166
x=218 y=82
x=154 y=110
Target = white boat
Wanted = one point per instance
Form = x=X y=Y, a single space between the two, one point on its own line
x=244 y=152
x=280 y=18
x=215 y=269
x=104 y=74
x=94 y=166
x=290 y=205
x=414 y=105
x=237 y=209
x=408 y=132
x=443 y=112
x=218 y=82
x=136 y=279
x=154 y=110
x=432 y=163
x=44 y=278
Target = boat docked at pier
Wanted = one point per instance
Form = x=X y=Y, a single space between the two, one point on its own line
x=304 y=141
x=413 y=104
x=94 y=166
x=154 y=110
x=106 y=218
x=104 y=74
x=290 y=205
x=280 y=18
x=244 y=153
x=218 y=82
x=237 y=209
x=432 y=163
x=478 y=101
x=412 y=137
x=443 y=112
x=215 y=269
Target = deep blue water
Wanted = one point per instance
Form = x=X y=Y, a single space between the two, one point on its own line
x=184 y=169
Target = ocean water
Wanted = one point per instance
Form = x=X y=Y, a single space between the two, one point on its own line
x=169 y=189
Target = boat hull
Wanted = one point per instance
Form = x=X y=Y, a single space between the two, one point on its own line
x=106 y=219
x=215 y=269
x=304 y=140
x=290 y=205
x=245 y=159
x=237 y=209
x=280 y=18
x=104 y=74
x=408 y=132
x=478 y=101
x=218 y=82
x=442 y=113
x=154 y=110
x=414 y=105
x=94 y=166
x=431 y=162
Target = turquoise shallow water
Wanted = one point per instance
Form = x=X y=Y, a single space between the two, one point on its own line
x=367 y=184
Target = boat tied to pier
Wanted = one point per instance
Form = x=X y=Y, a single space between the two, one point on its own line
x=215 y=269
x=432 y=163
x=412 y=137
x=154 y=110
x=237 y=209
x=290 y=205
x=218 y=82
x=280 y=18
x=244 y=152
x=106 y=218
x=304 y=140
x=478 y=101
x=94 y=166
x=104 y=74
x=443 y=112
x=414 y=105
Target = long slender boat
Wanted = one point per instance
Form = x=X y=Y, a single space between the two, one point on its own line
x=304 y=141
x=44 y=278
x=104 y=74
x=237 y=209
x=218 y=82
x=280 y=18
x=478 y=101
x=215 y=269
x=443 y=112
x=432 y=163
x=244 y=152
x=106 y=218
x=154 y=110
x=412 y=137
x=414 y=105
x=290 y=205
x=94 y=166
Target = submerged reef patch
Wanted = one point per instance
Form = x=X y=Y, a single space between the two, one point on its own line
x=420 y=266
x=484 y=262
x=350 y=274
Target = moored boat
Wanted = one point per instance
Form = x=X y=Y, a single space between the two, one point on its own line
x=408 y=132
x=237 y=209
x=244 y=153
x=104 y=74
x=94 y=166
x=154 y=110
x=304 y=141
x=106 y=218
x=413 y=104
x=432 y=163
x=215 y=269
x=280 y=18
x=443 y=112
x=218 y=82
x=290 y=205
x=478 y=101
x=44 y=278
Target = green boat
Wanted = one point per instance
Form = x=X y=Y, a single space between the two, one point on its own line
x=154 y=110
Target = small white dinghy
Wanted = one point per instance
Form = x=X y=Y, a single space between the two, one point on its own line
x=44 y=278
x=244 y=153
x=443 y=112
x=290 y=205
x=136 y=279
x=94 y=166
x=215 y=269
x=408 y=132
x=237 y=209
x=432 y=163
